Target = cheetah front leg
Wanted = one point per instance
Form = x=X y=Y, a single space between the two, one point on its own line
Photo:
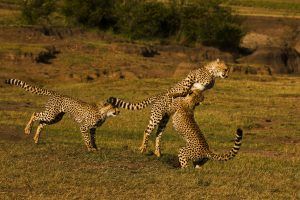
x=87 y=139
x=93 y=138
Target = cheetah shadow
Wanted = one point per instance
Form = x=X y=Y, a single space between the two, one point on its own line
x=170 y=160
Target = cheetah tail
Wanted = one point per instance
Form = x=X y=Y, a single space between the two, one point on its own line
x=29 y=88
x=232 y=153
x=130 y=106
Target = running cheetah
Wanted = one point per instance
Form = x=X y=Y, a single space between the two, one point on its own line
x=89 y=116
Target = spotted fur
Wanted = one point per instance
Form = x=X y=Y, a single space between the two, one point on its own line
x=88 y=116
x=201 y=79
x=196 y=148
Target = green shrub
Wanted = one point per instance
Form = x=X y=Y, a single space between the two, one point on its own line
x=37 y=11
x=91 y=13
x=202 y=21
x=211 y=24
x=147 y=20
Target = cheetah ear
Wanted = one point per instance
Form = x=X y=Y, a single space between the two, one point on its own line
x=218 y=60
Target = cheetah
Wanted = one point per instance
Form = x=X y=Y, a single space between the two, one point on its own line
x=88 y=116
x=197 y=148
x=202 y=79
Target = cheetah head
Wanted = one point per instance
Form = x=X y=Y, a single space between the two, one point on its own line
x=218 y=68
x=109 y=110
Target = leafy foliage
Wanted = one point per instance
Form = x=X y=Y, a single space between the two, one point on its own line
x=196 y=21
x=92 y=13
x=37 y=11
x=149 y=20
x=207 y=22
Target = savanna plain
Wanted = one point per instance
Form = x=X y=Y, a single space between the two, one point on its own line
x=267 y=166
x=266 y=107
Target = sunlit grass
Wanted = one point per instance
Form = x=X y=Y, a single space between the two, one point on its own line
x=60 y=167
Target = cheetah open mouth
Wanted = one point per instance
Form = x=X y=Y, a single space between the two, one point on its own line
x=115 y=113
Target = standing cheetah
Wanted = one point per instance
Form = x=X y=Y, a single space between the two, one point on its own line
x=89 y=116
x=197 y=148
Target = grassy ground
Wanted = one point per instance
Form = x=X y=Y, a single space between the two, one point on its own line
x=266 y=107
x=267 y=167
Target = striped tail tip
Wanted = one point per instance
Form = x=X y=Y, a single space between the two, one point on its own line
x=239 y=133
x=112 y=100
x=8 y=81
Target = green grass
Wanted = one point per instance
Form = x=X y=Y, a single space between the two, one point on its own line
x=19 y=48
x=267 y=167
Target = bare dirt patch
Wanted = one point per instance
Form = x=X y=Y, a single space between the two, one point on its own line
x=279 y=139
x=264 y=153
x=11 y=106
x=11 y=133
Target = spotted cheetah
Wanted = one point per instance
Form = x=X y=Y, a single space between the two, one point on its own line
x=197 y=148
x=89 y=116
x=201 y=79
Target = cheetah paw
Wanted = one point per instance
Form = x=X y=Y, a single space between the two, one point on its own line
x=143 y=149
x=92 y=149
x=27 y=131
x=36 y=140
x=157 y=153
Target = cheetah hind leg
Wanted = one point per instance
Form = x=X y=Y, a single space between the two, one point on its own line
x=161 y=127
x=199 y=162
x=45 y=118
x=87 y=139
x=29 y=125
x=147 y=132
x=153 y=122
x=187 y=154
x=38 y=132
x=183 y=160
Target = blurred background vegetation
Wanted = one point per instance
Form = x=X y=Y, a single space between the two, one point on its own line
x=186 y=22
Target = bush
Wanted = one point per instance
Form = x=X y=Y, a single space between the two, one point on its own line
x=91 y=13
x=147 y=20
x=37 y=11
x=211 y=24
x=197 y=21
